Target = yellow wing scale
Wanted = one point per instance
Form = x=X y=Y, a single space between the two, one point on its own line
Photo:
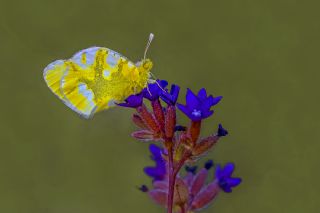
x=53 y=74
x=94 y=78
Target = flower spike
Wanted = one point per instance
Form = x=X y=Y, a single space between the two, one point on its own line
x=179 y=146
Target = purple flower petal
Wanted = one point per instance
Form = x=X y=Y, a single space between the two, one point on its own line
x=227 y=189
x=159 y=171
x=192 y=100
x=207 y=114
x=228 y=169
x=155 y=173
x=223 y=176
x=133 y=101
x=154 y=91
x=183 y=108
x=206 y=104
x=171 y=98
x=216 y=100
x=202 y=94
x=155 y=150
x=218 y=171
x=175 y=89
x=234 y=181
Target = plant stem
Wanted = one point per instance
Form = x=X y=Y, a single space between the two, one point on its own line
x=183 y=210
x=172 y=180
x=181 y=163
x=173 y=172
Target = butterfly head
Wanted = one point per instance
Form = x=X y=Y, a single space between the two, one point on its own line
x=144 y=67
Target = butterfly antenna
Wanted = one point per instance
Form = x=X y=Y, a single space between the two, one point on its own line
x=151 y=36
x=149 y=90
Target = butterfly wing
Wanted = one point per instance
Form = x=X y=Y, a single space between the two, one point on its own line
x=81 y=100
x=52 y=75
x=96 y=78
x=91 y=81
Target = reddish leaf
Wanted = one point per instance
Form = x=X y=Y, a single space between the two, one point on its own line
x=198 y=182
x=158 y=112
x=181 y=192
x=204 y=145
x=138 y=121
x=159 y=196
x=143 y=135
x=170 y=121
x=205 y=196
x=148 y=119
x=188 y=179
x=162 y=185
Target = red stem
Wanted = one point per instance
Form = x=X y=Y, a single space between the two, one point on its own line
x=183 y=210
x=181 y=163
x=172 y=180
x=173 y=172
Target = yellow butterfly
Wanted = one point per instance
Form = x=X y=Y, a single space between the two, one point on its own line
x=96 y=78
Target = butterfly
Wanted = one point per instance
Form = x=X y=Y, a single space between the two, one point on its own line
x=96 y=78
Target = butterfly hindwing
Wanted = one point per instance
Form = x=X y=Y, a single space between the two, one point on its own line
x=74 y=87
x=53 y=74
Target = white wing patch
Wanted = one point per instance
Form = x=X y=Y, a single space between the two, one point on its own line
x=90 y=54
x=113 y=58
x=106 y=73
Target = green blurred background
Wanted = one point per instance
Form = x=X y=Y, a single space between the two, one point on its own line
x=262 y=56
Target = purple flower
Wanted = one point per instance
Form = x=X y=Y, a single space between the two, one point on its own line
x=225 y=181
x=133 y=101
x=221 y=131
x=209 y=164
x=171 y=98
x=198 y=106
x=159 y=171
x=154 y=90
